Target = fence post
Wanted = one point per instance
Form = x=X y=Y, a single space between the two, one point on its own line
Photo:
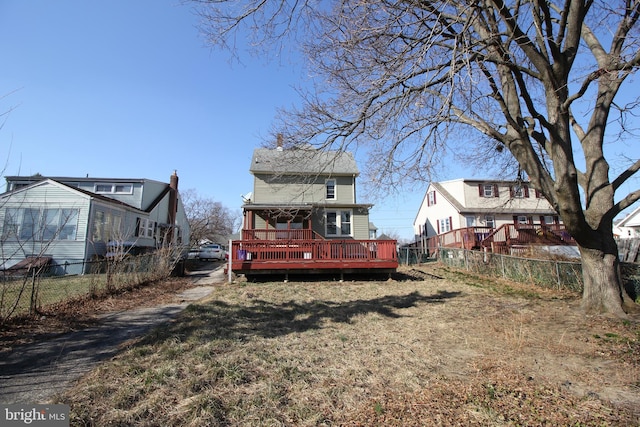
x=558 y=274
x=466 y=261
x=504 y=273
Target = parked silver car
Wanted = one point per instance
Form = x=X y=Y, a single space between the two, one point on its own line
x=211 y=252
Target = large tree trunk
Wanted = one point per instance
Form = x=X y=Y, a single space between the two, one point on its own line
x=604 y=290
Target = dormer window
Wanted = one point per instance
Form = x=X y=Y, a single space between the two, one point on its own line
x=488 y=190
x=330 y=186
x=114 y=188
x=520 y=192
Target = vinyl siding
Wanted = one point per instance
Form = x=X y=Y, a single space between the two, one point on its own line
x=298 y=189
x=49 y=196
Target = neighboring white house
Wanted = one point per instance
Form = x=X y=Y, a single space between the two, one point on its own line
x=460 y=203
x=629 y=226
x=73 y=220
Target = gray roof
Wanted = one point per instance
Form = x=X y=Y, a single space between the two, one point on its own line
x=303 y=161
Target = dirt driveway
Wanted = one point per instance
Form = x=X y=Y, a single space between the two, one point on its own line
x=36 y=371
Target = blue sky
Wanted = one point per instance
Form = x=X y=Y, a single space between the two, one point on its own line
x=128 y=89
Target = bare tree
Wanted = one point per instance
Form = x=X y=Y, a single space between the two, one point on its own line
x=208 y=219
x=538 y=83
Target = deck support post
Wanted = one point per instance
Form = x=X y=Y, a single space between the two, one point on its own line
x=341 y=276
x=286 y=277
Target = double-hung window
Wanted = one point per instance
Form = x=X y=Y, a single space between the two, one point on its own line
x=488 y=190
x=489 y=221
x=444 y=225
x=146 y=227
x=431 y=198
x=330 y=186
x=338 y=223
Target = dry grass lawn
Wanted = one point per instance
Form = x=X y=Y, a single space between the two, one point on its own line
x=433 y=346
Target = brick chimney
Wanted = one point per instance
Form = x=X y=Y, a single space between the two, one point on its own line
x=173 y=202
x=279 y=142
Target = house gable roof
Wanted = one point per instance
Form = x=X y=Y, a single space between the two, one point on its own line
x=631 y=220
x=303 y=161
x=77 y=191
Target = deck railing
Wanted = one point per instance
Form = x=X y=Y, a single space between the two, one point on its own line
x=505 y=237
x=272 y=234
x=311 y=253
x=502 y=238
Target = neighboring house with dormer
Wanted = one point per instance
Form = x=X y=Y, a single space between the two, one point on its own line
x=461 y=203
x=508 y=217
x=303 y=215
x=71 y=221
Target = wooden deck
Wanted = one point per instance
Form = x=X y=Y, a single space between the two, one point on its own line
x=503 y=238
x=252 y=257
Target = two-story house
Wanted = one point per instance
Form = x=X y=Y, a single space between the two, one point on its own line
x=491 y=213
x=459 y=203
x=303 y=215
x=74 y=220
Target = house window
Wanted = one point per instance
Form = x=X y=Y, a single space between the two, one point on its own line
x=145 y=227
x=29 y=223
x=549 y=219
x=488 y=190
x=489 y=221
x=106 y=226
x=11 y=223
x=339 y=223
x=471 y=221
x=522 y=219
x=520 y=192
x=444 y=225
x=330 y=186
x=41 y=224
x=431 y=198
x=114 y=188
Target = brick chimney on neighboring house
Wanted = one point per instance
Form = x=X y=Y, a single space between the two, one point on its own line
x=279 y=142
x=173 y=203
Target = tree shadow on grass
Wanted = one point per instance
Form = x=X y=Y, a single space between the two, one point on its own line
x=220 y=320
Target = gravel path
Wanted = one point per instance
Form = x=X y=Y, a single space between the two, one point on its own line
x=34 y=373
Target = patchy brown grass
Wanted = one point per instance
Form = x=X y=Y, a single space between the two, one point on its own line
x=83 y=311
x=433 y=347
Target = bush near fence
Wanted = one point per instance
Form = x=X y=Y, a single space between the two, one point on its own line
x=28 y=294
x=555 y=274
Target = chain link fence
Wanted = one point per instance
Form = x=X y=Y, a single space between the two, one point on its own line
x=27 y=292
x=549 y=273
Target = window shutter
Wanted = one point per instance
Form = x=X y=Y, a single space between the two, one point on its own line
x=542 y=219
x=556 y=220
x=434 y=197
x=538 y=194
x=529 y=220
x=526 y=191
x=515 y=219
x=512 y=191
x=450 y=223
x=495 y=190
x=481 y=190
x=438 y=226
x=137 y=232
